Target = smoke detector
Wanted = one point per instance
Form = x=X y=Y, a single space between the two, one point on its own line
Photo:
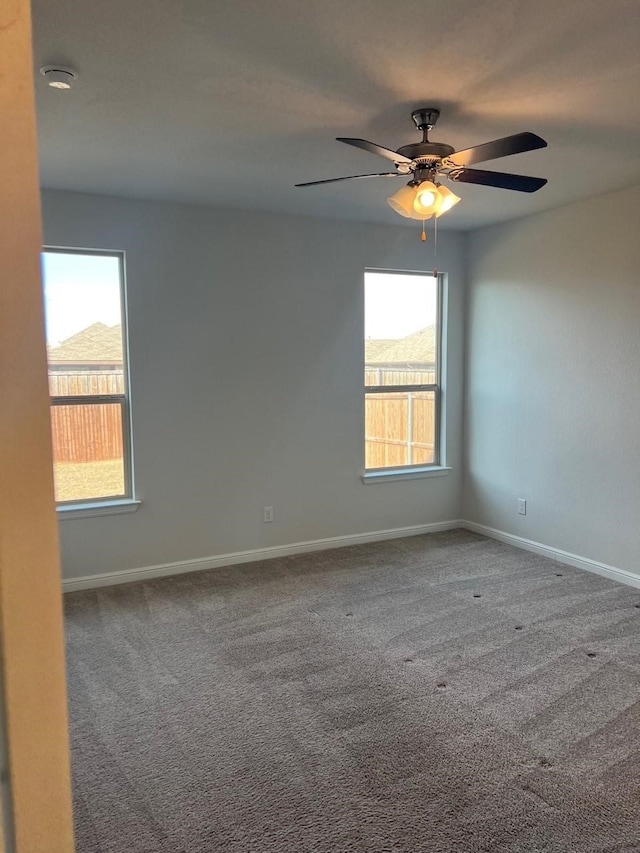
x=58 y=76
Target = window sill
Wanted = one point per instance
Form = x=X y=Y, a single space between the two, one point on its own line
x=94 y=509
x=404 y=474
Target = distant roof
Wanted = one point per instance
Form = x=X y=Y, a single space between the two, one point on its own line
x=97 y=344
x=374 y=348
x=417 y=348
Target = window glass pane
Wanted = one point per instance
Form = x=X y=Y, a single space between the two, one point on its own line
x=400 y=429
x=88 y=451
x=401 y=328
x=82 y=299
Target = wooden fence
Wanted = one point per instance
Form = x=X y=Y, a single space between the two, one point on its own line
x=86 y=382
x=399 y=429
x=91 y=432
x=389 y=376
x=87 y=433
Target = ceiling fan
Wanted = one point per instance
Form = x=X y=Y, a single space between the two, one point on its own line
x=425 y=162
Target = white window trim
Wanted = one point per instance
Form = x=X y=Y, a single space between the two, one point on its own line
x=392 y=475
x=95 y=508
x=109 y=505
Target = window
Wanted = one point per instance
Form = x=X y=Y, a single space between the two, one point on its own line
x=86 y=351
x=402 y=370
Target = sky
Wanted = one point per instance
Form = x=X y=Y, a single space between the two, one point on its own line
x=398 y=304
x=79 y=290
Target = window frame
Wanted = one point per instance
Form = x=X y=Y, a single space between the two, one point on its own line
x=105 y=502
x=437 y=467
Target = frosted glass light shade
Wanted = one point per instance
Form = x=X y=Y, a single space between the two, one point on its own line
x=402 y=201
x=447 y=200
x=426 y=200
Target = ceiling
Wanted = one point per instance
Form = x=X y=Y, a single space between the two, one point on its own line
x=231 y=102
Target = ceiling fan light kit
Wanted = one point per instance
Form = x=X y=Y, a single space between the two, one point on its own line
x=425 y=162
x=422 y=200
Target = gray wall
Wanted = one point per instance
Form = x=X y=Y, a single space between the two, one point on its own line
x=246 y=339
x=552 y=397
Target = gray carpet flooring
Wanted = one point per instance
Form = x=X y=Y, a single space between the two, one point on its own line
x=439 y=694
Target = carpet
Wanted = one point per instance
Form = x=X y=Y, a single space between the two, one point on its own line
x=437 y=694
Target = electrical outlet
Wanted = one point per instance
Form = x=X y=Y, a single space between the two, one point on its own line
x=267 y=514
x=522 y=506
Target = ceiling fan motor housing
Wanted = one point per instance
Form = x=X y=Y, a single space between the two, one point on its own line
x=426 y=152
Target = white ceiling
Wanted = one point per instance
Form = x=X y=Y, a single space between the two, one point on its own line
x=231 y=102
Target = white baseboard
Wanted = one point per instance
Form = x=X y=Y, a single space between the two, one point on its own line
x=620 y=575
x=166 y=569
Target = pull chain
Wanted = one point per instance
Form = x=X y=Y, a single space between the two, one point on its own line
x=423 y=236
x=435 y=245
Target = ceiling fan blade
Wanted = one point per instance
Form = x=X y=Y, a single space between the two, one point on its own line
x=375 y=149
x=352 y=178
x=516 y=144
x=502 y=180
